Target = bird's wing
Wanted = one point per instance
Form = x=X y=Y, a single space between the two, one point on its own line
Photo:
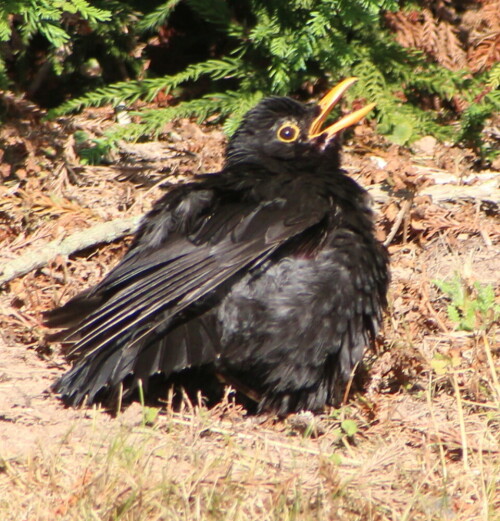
x=166 y=280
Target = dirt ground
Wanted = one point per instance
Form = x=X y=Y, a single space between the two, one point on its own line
x=420 y=440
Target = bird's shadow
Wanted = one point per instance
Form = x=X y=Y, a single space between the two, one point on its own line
x=194 y=387
x=200 y=387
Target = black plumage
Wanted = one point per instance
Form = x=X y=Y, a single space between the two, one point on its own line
x=266 y=274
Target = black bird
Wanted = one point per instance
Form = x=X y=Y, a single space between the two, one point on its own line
x=266 y=274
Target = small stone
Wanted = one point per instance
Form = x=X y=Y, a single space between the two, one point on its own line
x=379 y=161
x=425 y=145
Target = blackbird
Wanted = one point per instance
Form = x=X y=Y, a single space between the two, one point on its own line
x=266 y=274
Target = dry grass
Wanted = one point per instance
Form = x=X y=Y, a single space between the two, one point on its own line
x=409 y=464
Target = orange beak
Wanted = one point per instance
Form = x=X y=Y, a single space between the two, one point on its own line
x=327 y=104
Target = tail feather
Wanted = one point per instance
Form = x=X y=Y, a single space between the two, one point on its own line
x=99 y=375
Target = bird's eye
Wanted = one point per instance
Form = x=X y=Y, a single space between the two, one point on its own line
x=288 y=132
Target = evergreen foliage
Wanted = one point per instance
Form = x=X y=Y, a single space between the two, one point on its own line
x=45 y=17
x=57 y=37
x=268 y=47
x=478 y=111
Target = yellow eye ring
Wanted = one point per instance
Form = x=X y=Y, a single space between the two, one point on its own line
x=288 y=132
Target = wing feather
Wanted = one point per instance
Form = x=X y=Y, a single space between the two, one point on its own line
x=145 y=311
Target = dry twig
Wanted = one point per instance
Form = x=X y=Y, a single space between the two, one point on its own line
x=37 y=258
x=405 y=208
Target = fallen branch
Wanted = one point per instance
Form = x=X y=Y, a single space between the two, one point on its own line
x=37 y=258
x=487 y=191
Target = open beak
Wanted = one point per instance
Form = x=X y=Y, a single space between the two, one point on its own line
x=327 y=104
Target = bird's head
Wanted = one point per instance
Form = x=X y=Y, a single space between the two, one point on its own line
x=284 y=135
